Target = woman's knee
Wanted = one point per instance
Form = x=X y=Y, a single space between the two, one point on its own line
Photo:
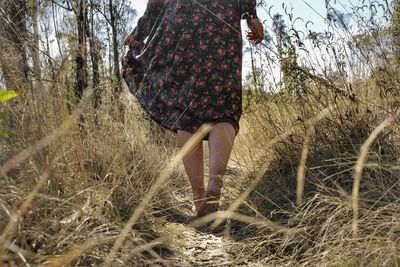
x=225 y=126
x=183 y=136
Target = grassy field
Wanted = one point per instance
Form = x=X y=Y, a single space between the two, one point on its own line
x=313 y=180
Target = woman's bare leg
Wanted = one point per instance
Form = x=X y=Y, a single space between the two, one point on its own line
x=194 y=166
x=220 y=144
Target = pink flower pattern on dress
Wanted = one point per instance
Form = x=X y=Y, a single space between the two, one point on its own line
x=189 y=70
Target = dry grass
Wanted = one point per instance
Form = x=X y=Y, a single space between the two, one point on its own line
x=87 y=180
x=349 y=211
x=68 y=202
x=318 y=182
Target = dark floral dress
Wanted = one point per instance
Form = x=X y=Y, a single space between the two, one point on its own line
x=189 y=69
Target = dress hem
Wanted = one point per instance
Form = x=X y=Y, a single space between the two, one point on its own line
x=174 y=130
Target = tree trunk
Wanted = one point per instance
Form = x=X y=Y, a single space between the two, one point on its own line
x=13 y=32
x=396 y=30
x=35 y=51
x=117 y=75
x=119 y=109
x=81 y=55
x=95 y=58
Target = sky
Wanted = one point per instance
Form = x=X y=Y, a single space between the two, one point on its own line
x=300 y=9
x=309 y=10
x=298 y=5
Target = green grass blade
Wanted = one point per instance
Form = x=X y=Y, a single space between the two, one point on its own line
x=3 y=134
x=7 y=95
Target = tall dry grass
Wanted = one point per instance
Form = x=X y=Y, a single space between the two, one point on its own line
x=87 y=189
x=316 y=179
x=70 y=188
x=334 y=182
x=70 y=199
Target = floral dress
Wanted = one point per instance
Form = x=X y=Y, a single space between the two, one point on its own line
x=185 y=63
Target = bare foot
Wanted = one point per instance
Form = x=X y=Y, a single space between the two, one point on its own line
x=206 y=209
x=197 y=200
x=208 y=205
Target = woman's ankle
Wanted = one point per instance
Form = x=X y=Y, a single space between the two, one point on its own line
x=198 y=194
x=208 y=205
x=214 y=187
x=198 y=197
x=213 y=193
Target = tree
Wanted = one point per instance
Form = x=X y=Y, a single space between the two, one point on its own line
x=95 y=55
x=396 y=29
x=113 y=25
x=81 y=80
x=292 y=77
x=13 y=34
x=116 y=13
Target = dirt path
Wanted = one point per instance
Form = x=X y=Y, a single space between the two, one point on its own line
x=190 y=246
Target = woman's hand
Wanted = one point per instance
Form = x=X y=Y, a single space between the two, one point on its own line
x=130 y=41
x=256 y=33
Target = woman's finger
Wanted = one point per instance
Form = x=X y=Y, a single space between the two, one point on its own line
x=255 y=36
x=252 y=38
x=126 y=41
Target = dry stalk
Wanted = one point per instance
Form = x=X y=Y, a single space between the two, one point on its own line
x=146 y=247
x=236 y=204
x=359 y=168
x=301 y=171
x=76 y=251
x=15 y=161
x=23 y=209
x=45 y=141
x=26 y=154
x=189 y=145
x=22 y=252
x=223 y=215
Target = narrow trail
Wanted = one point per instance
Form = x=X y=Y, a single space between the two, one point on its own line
x=188 y=246
x=191 y=247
